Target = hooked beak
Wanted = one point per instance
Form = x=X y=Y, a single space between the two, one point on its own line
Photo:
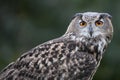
x=91 y=31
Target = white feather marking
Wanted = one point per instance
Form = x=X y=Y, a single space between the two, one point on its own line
x=101 y=44
x=76 y=49
x=73 y=37
x=63 y=58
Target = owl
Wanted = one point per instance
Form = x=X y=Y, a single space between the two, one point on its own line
x=76 y=55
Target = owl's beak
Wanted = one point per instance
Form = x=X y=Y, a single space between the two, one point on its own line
x=90 y=31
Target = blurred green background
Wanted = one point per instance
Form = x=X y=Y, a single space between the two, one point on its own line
x=26 y=23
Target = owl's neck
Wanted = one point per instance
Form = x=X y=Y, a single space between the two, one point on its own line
x=95 y=45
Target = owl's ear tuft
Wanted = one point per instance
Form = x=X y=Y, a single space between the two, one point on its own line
x=77 y=15
x=104 y=15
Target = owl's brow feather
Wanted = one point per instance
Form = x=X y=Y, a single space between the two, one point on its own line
x=104 y=15
x=77 y=15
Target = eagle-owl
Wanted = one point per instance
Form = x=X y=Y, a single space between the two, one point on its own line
x=74 y=56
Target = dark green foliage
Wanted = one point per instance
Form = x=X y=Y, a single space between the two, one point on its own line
x=26 y=23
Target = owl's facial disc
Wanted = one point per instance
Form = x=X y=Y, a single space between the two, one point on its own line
x=91 y=29
x=90 y=25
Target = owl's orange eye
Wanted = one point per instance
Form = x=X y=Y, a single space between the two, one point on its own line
x=83 y=23
x=98 y=23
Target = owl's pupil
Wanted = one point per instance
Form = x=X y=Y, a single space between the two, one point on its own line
x=83 y=23
x=98 y=23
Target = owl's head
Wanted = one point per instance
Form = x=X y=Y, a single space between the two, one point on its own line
x=91 y=25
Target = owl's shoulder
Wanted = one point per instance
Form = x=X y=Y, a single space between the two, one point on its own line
x=58 y=45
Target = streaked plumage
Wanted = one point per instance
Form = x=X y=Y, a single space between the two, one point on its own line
x=74 y=56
